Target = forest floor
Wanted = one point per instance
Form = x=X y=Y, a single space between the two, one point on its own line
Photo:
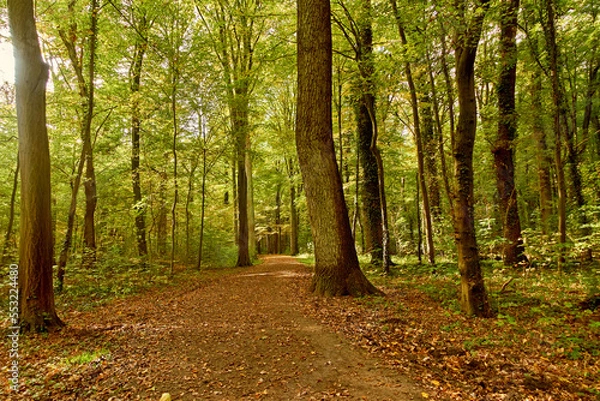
x=257 y=334
x=245 y=336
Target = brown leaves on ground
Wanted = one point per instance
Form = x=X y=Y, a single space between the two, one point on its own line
x=238 y=337
x=541 y=346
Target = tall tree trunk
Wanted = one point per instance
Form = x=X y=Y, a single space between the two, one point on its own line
x=202 y=204
x=474 y=299
x=440 y=137
x=337 y=271
x=418 y=142
x=36 y=246
x=430 y=149
x=557 y=99
x=544 y=161
x=89 y=184
x=240 y=124
x=370 y=191
x=251 y=217
x=86 y=92
x=161 y=225
x=135 y=77
x=294 y=222
x=174 y=82
x=66 y=244
x=8 y=237
x=503 y=148
x=189 y=199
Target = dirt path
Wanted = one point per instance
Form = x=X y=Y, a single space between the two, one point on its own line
x=241 y=337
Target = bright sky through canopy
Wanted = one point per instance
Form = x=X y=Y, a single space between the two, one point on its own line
x=7 y=63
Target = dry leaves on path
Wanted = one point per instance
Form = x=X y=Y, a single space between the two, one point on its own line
x=239 y=337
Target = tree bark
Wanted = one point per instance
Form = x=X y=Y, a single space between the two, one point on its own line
x=370 y=191
x=135 y=77
x=418 y=141
x=36 y=246
x=557 y=99
x=544 y=161
x=474 y=300
x=337 y=271
x=503 y=147
x=66 y=245
x=86 y=92
x=294 y=222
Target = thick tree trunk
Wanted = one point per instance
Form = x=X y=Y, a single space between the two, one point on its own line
x=36 y=246
x=337 y=271
x=503 y=148
x=369 y=188
x=240 y=128
x=474 y=300
x=370 y=191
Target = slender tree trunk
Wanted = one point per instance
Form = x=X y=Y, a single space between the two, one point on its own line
x=337 y=271
x=474 y=300
x=430 y=149
x=503 y=148
x=66 y=245
x=544 y=161
x=251 y=217
x=89 y=184
x=557 y=99
x=8 y=237
x=36 y=246
x=440 y=137
x=189 y=198
x=86 y=92
x=202 y=205
x=278 y=217
x=294 y=218
x=175 y=177
x=161 y=225
x=418 y=142
x=135 y=77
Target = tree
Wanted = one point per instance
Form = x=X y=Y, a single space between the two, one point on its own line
x=337 y=271
x=418 y=141
x=558 y=103
x=503 y=149
x=36 y=246
x=85 y=72
x=474 y=300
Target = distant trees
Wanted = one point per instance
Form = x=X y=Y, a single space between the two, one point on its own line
x=179 y=122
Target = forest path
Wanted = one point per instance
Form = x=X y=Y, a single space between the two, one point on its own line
x=238 y=337
x=244 y=337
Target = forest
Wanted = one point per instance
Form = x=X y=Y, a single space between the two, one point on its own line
x=436 y=160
